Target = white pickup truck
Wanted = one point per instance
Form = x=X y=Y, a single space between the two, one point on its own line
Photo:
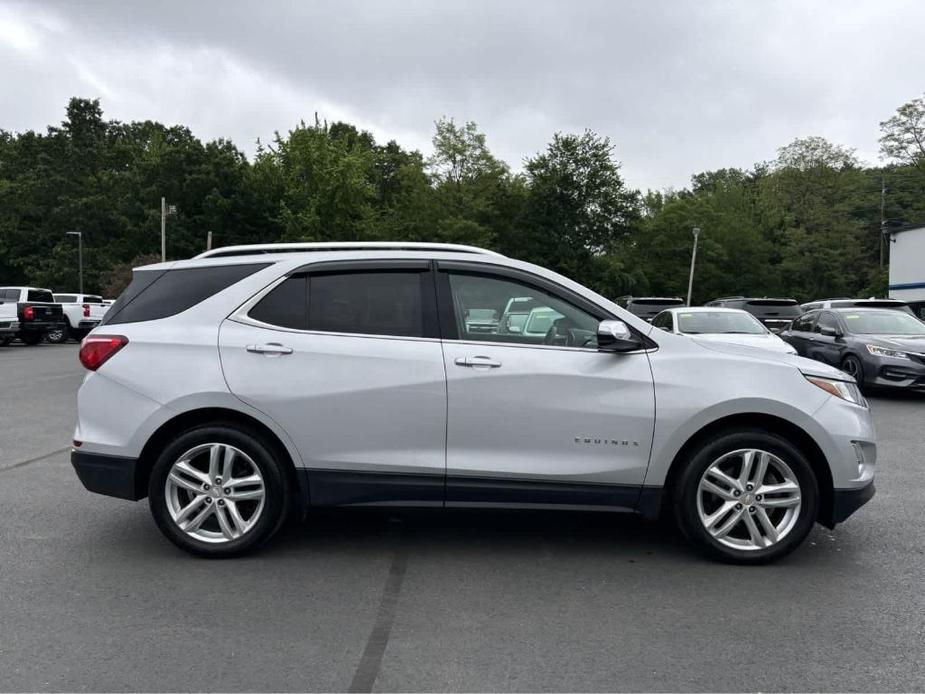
x=9 y=321
x=36 y=312
x=83 y=313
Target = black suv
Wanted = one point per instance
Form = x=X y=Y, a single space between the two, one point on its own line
x=775 y=314
x=648 y=307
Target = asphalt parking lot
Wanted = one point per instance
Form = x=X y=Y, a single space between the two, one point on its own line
x=93 y=598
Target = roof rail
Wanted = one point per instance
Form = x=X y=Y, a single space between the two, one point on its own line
x=258 y=248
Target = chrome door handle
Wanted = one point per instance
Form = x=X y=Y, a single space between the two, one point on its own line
x=487 y=362
x=269 y=348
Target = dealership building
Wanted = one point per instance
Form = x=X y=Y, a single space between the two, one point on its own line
x=907 y=266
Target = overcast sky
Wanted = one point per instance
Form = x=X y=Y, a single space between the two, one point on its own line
x=679 y=87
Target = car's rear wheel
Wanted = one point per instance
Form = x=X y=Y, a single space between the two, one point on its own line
x=56 y=337
x=218 y=491
x=747 y=497
x=30 y=337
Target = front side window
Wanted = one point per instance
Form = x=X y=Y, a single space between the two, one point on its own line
x=370 y=303
x=663 y=321
x=826 y=322
x=526 y=314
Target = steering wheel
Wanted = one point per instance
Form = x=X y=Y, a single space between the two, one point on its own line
x=561 y=333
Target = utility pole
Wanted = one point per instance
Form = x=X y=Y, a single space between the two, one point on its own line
x=209 y=241
x=882 y=218
x=690 y=281
x=163 y=230
x=80 y=256
x=165 y=210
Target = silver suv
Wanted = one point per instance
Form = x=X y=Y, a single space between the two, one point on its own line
x=250 y=382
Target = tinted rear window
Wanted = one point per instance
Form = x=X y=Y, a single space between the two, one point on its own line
x=371 y=303
x=40 y=295
x=285 y=306
x=783 y=308
x=65 y=298
x=658 y=302
x=157 y=294
x=93 y=299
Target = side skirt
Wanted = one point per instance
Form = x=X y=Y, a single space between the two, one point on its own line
x=327 y=488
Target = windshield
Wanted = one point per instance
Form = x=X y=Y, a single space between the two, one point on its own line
x=883 y=323
x=719 y=322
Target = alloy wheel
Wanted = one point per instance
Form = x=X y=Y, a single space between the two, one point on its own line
x=749 y=499
x=215 y=493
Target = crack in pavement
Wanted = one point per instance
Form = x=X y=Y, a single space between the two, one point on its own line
x=33 y=460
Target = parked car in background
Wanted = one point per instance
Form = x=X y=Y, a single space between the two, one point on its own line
x=83 y=313
x=37 y=312
x=232 y=389
x=775 y=314
x=481 y=320
x=858 y=303
x=648 y=307
x=9 y=321
x=719 y=324
x=878 y=347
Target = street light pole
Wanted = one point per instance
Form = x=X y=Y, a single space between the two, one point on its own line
x=80 y=256
x=690 y=281
x=163 y=230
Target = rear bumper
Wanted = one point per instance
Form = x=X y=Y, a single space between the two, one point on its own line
x=36 y=326
x=110 y=475
x=846 y=501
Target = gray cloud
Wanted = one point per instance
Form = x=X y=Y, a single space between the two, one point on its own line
x=680 y=87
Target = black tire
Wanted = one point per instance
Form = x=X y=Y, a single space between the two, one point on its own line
x=6 y=340
x=686 y=490
x=277 y=494
x=30 y=338
x=57 y=337
x=852 y=365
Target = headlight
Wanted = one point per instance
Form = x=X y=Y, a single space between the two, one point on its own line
x=884 y=352
x=840 y=389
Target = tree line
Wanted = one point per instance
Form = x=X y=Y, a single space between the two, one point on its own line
x=806 y=224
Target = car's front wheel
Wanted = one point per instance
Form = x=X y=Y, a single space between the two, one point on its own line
x=747 y=497
x=218 y=491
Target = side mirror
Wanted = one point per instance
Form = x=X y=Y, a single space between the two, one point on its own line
x=830 y=332
x=616 y=336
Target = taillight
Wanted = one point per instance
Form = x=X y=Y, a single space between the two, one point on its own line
x=95 y=350
x=28 y=313
x=86 y=310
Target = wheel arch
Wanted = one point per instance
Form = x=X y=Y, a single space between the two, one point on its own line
x=756 y=420
x=214 y=415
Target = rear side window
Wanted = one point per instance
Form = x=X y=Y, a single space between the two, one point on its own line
x=93 y=300
x=157 y=294
x=9 y=294
x=286 y=305
x=370 y=303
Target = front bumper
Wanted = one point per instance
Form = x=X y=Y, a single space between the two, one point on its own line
x=846 y=501
x=110 y=475
x=885 y=372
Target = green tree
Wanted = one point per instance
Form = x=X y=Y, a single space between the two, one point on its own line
x=578 y=211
